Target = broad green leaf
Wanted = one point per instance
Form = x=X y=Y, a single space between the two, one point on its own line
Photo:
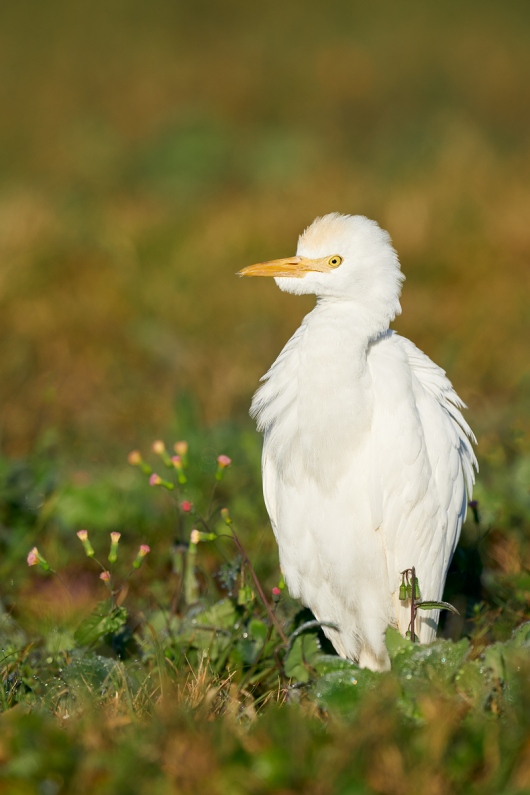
x=221 y=615
x=97 y=625
x=328 y=663
x=475 y=682
x=301 y=657
x=395 y=642
x=340 y=690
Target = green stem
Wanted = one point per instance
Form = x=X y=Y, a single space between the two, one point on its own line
x=258 y=586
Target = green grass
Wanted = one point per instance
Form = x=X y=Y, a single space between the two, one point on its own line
x=147 y=153
x=173 y=677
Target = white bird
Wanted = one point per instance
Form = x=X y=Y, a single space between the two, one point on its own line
x=367 y=459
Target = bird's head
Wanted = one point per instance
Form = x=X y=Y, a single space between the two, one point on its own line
x=342 y=257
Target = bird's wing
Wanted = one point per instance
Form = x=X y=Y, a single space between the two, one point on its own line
x=422 y=464
x=269 y=476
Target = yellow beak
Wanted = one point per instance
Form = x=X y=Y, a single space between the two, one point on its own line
x=289 y=266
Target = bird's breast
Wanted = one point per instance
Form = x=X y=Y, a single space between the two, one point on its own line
x=316 y=404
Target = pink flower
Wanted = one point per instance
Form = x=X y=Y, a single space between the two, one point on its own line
x=35 y=558
x=113 y=554
x=181 y=448
x=155 y=480
x=142 y=552
x=224 y=461
x=159 y=447
x=276 y=591
x=176 y=460
x=105 y=576
x=134 y=458
x=186 y=506
x=83 y=537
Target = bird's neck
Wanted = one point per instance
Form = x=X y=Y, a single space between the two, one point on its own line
x=362 y=324
x=316 y=402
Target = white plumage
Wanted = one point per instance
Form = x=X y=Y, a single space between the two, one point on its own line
x=367 y=460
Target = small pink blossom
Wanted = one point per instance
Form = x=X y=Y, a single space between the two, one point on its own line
x=186 y=506
x=276 y=591
x=134 y=458
x=105 y=576
x=155 y=480
x=142 y=552
x=83 y=537
x=176 y=460
x=115 y=537
x=224 y=461
x=181 y=448
x=159 y=447
x=34 y=558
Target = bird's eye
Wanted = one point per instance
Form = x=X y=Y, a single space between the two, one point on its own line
x=335 y=261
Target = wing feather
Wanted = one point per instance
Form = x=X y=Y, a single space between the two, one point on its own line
x=423 y=468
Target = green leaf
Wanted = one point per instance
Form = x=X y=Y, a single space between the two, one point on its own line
x=422 y=666
x=221 y=615
x=395 y=642
x=328 y=663
x=340 y=690
x=437 y=606
x=301 y=657
x=257 y=630
x=97 y=625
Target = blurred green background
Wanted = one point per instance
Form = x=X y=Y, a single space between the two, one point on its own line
x=148 y=151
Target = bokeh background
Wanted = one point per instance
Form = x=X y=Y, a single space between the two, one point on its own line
x=148 y=151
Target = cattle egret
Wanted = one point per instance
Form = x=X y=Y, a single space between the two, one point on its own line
x=367 y=459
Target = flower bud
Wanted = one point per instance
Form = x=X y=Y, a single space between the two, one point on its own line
x=223 y=461
x=142 y=552
x=34 y=558
x=87 y=546
x=200 y=535
x=105 y=576
x=159 y=448
x=135 y=459
x=276 y=593
x=225 y=516
x=402 y=592
x=113 y=554
x=186 y=506
x=176 y=460
x=181 y=449
x=156 y=480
